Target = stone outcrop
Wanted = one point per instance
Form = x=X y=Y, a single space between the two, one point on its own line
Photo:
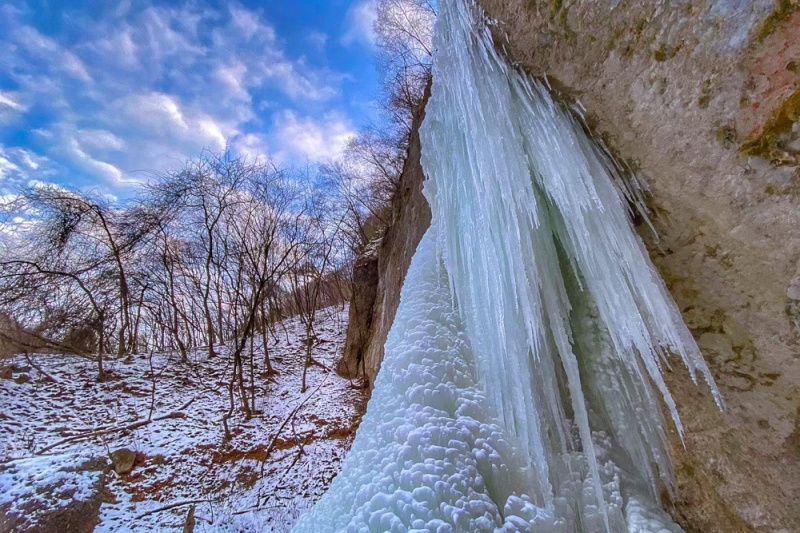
x=381 y=269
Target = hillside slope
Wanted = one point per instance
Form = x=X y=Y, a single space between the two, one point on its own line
x=277 y=464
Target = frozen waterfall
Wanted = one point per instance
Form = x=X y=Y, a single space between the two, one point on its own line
x=521 y=385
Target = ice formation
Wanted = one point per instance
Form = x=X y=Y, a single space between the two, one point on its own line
x=521 y=380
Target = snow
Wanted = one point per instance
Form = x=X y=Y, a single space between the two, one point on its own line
x=48 y=481
x=183 y=459
x=521 y=380
x=428 y=455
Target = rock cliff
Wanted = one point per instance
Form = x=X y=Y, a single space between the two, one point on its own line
x=379 y=272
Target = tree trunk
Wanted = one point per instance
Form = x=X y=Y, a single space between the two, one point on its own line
x=307 y=362
x=100 y=340
x=264 y=339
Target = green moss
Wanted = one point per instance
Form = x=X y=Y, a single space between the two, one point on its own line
x=768 y=145
x=555 y=9
x=629 y=51
x=783 y=10
x=726 y=260
x=665 y=52
x=790 y=189
x=726 y=135
x=640 y=28
x=615 y=36
x=705 y=95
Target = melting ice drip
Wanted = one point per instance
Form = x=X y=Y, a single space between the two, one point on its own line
x=516 y=392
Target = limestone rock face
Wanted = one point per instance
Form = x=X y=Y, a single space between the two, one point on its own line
x=703 y=100
x=380 y=271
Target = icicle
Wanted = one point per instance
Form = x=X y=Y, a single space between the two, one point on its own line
x=516 y=392
x=548 y=205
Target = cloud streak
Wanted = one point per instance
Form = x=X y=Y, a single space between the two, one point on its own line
x=360 y=23
x=143 y=87
x=310 y=139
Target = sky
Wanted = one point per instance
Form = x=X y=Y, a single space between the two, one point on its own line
x=102 y=95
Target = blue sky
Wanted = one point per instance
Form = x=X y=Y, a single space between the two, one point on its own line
x=103 y=94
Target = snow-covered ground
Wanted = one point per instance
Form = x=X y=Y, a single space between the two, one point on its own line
x=182 y=458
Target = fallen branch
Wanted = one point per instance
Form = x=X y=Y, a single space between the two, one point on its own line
x=127 y=427
x=320 y=364
x=171 y=506
x=283 y=425
x=30 y=361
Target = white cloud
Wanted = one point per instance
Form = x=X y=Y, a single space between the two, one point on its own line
x=296 y=84
x=144 y=88
x=100 y=140
x=119 y=46
x=166 y=117
x=10 y=107
x=170 y=33
x=6 y=167
x=317 y=39
x=74 y=66
x=86 y=162
x=212 y=132
x=158 y=111
x=17 y=168
x=250 y=145
x=360 y=23
x=316 y=140
x=32 y=160
x=248 y=23
x=48 y=50
x=233 y=78
x=8 y=99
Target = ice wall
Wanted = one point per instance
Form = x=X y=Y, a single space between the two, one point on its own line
x=520 y=384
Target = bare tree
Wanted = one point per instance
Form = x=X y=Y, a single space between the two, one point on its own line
x=404 y=31
x=74 y=258
x=22 y=282
x=264 y=231
x=314 y=259
x=202 y=192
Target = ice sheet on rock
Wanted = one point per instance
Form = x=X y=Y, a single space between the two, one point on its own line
x=525 y=355
x=429 y=455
